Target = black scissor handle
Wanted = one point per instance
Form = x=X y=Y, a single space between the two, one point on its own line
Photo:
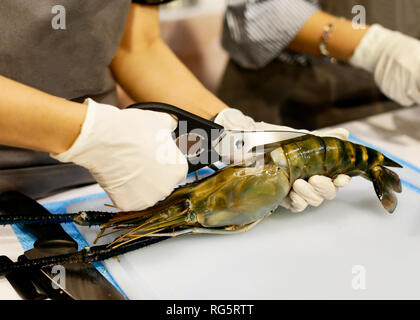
x=207 y=130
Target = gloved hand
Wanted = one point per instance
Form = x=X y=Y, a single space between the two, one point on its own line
x=312 y=192
x=394 y=59
x=130 y=153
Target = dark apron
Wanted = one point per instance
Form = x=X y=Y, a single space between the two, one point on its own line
x=71 y=63
x=321 y=94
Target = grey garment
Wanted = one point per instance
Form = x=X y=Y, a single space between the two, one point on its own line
x=255 y=32
x=45 y=180
x=69 y=63
x=36 y=174
x=322 y=93
x=72 y=63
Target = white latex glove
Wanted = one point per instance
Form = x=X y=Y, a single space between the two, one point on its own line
x=130 y=153
x=394 y=59
x=312 y=192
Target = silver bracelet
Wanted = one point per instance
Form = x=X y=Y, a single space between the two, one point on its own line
x=326 y=33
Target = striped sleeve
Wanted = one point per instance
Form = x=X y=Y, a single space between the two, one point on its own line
x=256 y=31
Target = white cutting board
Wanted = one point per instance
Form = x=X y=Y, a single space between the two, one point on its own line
x=318 y=254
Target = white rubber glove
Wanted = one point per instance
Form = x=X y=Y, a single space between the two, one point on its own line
x=312 y=192
x=394 y=59
x=130 y=153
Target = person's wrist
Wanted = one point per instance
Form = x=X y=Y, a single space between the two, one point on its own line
x=220 y=115
x=216 y=112
x=73 y=115
x=234 y=119
x=81 y=124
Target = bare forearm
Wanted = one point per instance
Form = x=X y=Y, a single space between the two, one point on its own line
x=157 y=75
x=149 y=71
x=35 y=120
x=342 y=42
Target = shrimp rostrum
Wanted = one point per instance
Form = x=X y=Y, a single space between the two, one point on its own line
x=237 y=197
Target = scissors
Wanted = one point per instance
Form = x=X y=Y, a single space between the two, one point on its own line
x=204 y=142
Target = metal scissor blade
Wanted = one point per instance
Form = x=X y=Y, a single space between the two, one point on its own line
x=237 y=144
x=81 y=280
